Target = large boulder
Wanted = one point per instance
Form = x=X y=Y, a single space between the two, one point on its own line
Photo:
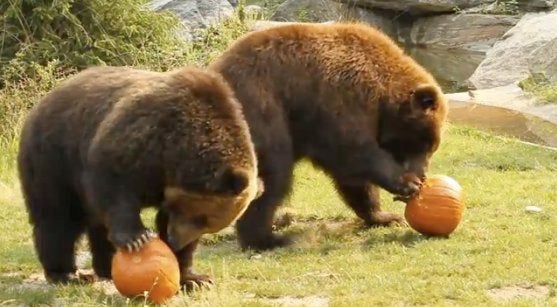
x=266 y=24
x=384 y=21
x=535 y=5
x=451 y=68
x=332 y=10
x=308 y=11
x=529 y=47
x=195 y=14
x=418 y=6
x=510 y=97
x=476 y=32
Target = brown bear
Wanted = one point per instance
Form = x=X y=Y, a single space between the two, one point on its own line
x=112 y=140
x=344 y=96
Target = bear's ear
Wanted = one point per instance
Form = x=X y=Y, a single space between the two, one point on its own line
x=173 y=195
x=234 y=181
x=424 y=97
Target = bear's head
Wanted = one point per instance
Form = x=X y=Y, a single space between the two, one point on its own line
x=193 y=214
x=211 y=166
x=410 y=128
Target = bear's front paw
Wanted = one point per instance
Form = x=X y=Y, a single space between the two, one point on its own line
x=409 y=186
x=132 y=241
x=191 y=281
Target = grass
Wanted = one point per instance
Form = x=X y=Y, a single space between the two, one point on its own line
x=497 y=244
x=539 y=86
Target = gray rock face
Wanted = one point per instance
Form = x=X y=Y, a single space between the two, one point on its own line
x=475 y=32
x=195 y=14
x=536 y=5
x=308 y=11
x=529 y=47
x=418 y=6
x=383 y=22
x=332 y=10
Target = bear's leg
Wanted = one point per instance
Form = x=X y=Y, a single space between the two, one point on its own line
x=125 y=228
x=364 y=200
x=255 y=226
x=55 y=235
x=102 y=250
x=119 y=206
x=188 y=278
x=55 y=211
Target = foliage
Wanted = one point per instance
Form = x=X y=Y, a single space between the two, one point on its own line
x=509 y=7
x=268 y=6
x=26 y=78
x=541 y=87
x=80 y=33
x=498 y=7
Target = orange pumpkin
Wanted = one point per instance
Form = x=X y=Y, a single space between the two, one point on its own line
x=153 y=269
x=438 y=207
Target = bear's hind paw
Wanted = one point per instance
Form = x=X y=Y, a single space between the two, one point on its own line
x=192 y=281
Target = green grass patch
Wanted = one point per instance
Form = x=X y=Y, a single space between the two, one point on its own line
x=497 y=245
x=540 y=87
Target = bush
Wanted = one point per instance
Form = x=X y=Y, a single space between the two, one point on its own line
x=44 y=44
x=80 y=33
x=539 y=85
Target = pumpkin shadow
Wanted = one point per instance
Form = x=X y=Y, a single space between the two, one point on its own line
x=408 y=238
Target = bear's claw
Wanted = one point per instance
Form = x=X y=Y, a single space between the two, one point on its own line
x=134 y=243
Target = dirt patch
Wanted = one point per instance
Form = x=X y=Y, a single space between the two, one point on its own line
x=518 y=291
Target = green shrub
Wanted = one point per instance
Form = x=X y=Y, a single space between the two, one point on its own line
x=80 y=33
x=37 y=56
x=541 y=87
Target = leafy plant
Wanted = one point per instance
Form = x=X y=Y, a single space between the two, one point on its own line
x=506 y=7
x=79 y=33
x=541 y=87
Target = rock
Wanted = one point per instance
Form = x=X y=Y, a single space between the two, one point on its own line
x=384 y=21
x=506 y=110
x=510 y=97
x=418 y=7
x=527 y=48
x=234 y=3
x=332 y=10
x=265 y=24
x=308 y=11
x=451 y=68
x=195 y=14
x=535 y=5
x=477 y=32
x=544 y=62
x=534 y=209
x=513 y=8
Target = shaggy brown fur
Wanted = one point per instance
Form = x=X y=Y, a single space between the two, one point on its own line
x=344 y=96
x=112 y=140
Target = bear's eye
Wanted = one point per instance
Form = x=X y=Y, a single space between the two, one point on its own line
x=200 y=221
